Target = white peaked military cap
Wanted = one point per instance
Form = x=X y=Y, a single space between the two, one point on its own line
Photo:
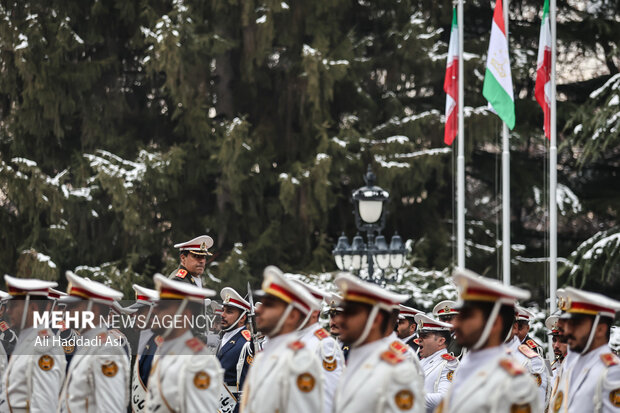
x=552 y=325
x=334 y=301
x=523 y=314
x=277 y=285
x=199 y=245
x=585 y=302
x=90 y=290
x=354 y=289
x=407 y=312
x=119 y=309
x=315 y=291
x=175 y=290
x=473 y=287
x=146 y=296
x=233 y=298
x=425 y=323
x=54 y=294
x=445 y=307
x=27 y=286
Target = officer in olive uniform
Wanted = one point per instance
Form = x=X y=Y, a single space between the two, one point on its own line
x=193 y=256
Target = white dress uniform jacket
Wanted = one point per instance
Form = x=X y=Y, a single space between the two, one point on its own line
x=34 y=375
x=379 y=379
x=592 y=384
x=4 y=360
x=561 y=370
x=409 y=354
x=98 y=376
x=489 y=381
x=285 y=377
x=184 y=377
x=438 y=372
x=533 y=363
x=329 y=353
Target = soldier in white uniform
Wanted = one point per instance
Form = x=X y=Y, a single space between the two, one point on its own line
x=147 y=345
x=184 y=376
x=98 y=376
x=592 y=383
x=286 y=375
x=526 y=353
x=377 y=377
x=488 y=379
x=36 y=370
x=445 y=311
x=559 y=350
x=559 y=343
x=317 y=339
x=437 y=363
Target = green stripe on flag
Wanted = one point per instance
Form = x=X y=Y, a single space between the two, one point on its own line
x=498 y=98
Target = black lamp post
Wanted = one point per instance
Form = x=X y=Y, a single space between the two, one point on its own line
x=370 y=216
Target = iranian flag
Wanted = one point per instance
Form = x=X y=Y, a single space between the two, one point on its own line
x=497 y=87
x=543 y=69
x=451 y=84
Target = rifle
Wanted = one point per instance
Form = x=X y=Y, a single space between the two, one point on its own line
x=252 y=319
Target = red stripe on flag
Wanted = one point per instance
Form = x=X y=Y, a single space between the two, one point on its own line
x=498 y=16
x=543 y=75
x=451 y=87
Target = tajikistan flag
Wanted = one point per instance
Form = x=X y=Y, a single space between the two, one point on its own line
x=451 y=84
x=497 y=87
x=543 y=69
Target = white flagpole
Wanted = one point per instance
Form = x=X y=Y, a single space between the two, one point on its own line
x=505 y=184
x=460 y=182
x=553 y=208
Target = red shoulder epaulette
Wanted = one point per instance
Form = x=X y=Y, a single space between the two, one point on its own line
x=610 y=359
x=181 y=273
x=159 y=340
x=398 y=347
x=448 y=357
x=246 y=334
x=514 y=369
x=44 y=333
x=296 y=345
x=321 y=333
x=528 y=352
x=531 y=343
x=102 y=337
x=391 y=358
x=3 y=326
x=195 y=344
